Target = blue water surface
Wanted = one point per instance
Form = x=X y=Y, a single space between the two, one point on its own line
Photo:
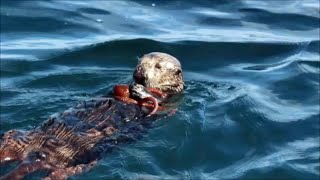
x=250 y=109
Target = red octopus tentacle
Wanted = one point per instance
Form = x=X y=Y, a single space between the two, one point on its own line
x=155 y=104
x=158 y=92
x=150 y=106
x=126 y=99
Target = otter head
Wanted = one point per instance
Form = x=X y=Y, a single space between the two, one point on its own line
x=159 y=70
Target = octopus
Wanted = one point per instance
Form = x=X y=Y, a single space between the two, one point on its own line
x=72 y=142
x=122 y=93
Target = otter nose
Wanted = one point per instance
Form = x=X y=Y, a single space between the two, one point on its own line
x=138 y=76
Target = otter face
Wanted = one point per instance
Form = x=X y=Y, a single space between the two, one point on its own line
x=159 y=70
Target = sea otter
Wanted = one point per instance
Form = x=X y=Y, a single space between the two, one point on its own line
x=71 y=142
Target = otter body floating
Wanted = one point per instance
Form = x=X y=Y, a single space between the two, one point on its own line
x=71 y=142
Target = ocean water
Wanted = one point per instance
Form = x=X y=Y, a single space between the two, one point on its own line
x=250 y=109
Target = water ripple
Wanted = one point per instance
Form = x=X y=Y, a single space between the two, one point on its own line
x=250 y=109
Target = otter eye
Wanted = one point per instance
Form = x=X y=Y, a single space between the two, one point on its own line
x=158 y=66
x=178 y=72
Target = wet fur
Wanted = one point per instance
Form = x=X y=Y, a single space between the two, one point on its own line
x=70 y=142
x=161 y=71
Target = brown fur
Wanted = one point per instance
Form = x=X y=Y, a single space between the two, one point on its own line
x=71 y=142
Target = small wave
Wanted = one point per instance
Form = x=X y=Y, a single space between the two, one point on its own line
x=278 y=159
x=251 y=104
